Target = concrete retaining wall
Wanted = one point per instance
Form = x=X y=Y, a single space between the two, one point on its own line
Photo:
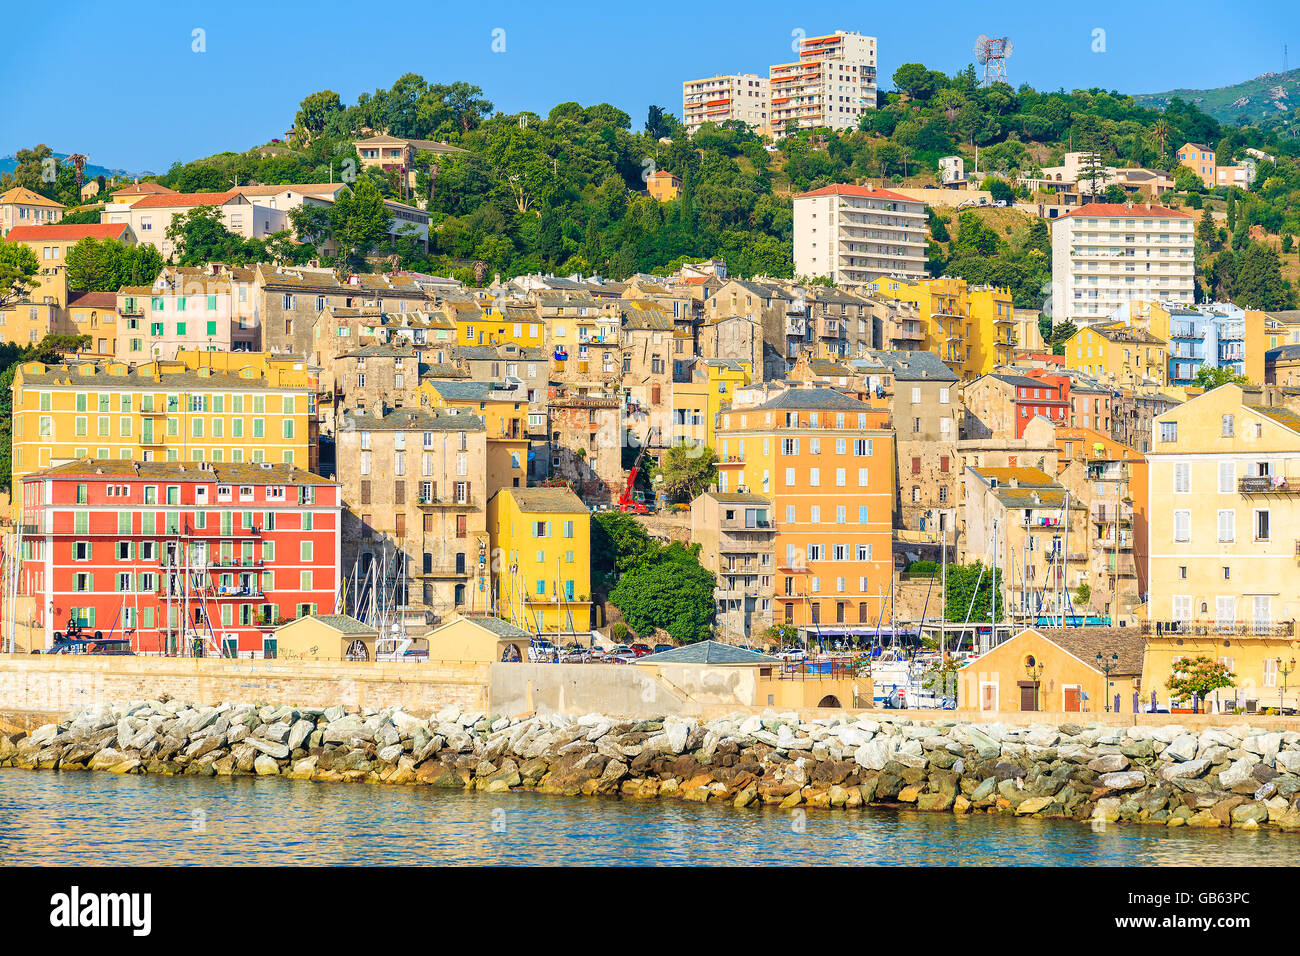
x=60 y=684
x=585 y=688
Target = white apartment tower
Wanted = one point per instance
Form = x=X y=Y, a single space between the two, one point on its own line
x=830 y=86
x=852 y=234
x=739 y=96
x=1107 y=254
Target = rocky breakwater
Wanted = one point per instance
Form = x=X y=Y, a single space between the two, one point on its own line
x=1233 y=776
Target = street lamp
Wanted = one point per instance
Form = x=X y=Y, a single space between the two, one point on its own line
x=1034 y=671
x=1284 y=669
x=1106 y=665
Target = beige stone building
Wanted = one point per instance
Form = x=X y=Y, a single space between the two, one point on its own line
x=737 y=537
x=414 y=486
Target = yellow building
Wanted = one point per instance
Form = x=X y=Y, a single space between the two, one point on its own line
x=973 y=330
x=541 y=559
x=203 y=406
x=1118 y=354
x=707 y=390
x=1224 y=509
x=495 y=325
x=504 y=409
x=1062 y=670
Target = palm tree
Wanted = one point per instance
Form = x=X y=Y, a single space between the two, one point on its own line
x=1161 y=130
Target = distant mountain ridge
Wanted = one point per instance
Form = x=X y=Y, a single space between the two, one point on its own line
x=1269 y=98
x=9 y=163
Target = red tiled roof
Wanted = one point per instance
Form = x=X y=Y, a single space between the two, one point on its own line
x=57 y=230
x=846 y=189
x=1142 y=210
x=169 y=200
x=92 y=300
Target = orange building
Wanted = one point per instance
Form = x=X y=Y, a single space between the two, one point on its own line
x=826 y=462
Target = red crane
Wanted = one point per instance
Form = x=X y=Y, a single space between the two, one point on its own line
x=625 y=501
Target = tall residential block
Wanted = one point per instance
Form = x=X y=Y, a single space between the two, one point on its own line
x=198 y=559
x=717 y=99
x=831 y=85
x=1107 y=254
x=852 y=234
x=826 y=461
x=1224 y=506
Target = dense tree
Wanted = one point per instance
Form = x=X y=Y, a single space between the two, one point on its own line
x=619 y=543
x=200 y=236
x=965 y=580
x=107 y=265
x=674 y=593
x=316 y=110
x=18 y=264
x=1210 y=378
x=684 y=471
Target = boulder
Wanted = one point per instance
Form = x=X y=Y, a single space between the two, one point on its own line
x=1181 y=748
x=1124 y=780
x=1110 y=763
x=265 y=765
x=1188 y=768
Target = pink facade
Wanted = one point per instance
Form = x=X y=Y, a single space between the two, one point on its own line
x=172 y=554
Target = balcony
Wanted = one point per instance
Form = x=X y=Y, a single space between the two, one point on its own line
x=1267 y=485
x=432 y=502
x=1220 y=628
x=442 y=571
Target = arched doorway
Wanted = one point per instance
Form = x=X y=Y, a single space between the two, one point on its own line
x=830 y=700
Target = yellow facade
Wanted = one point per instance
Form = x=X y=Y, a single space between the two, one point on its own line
x=98 y=322
x=1224 y=509
x=696 y=403
x=541 y=559
x=1256 y=662
x=1118 y=355
x=505 y=413
x=203 y=406
x=1032 y=672
x=972 y=330
x=494 y=326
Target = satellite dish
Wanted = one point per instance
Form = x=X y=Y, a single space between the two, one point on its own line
x=982 y=49
x=1006 y=46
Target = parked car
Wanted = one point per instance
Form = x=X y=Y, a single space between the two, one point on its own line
x=624 y=655
x=660 y=648
x=575 y=654
x=792 y=654
x=542 y=651
x=641 y=650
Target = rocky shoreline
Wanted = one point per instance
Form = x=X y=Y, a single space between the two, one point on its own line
x=1233 y=776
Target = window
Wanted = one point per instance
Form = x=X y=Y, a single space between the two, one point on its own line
x=1182 y=526
x=1227 y=477
x=1227 y=426
x=1227 y=526
x=1182 y=478
x=1261 y=524
x=1168 y=431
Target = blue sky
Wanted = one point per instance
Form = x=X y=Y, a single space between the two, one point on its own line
x=144 y=98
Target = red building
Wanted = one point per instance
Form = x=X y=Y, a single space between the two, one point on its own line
x=1040 y=392
x=179 y=554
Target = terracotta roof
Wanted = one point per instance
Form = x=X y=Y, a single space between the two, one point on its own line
x=21 y=194
x=248 y=473
x=168 y=200
x=1135 y=210
x=92 y=300
x=58 y=231
x=1086 y=643
x=535 y=500
x=846 y=189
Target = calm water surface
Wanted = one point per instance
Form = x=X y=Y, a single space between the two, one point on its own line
x=100 y=818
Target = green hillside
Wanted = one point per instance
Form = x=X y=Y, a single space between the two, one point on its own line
x=1270 y=99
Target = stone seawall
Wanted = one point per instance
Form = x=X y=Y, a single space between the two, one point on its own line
x=1229 y=776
